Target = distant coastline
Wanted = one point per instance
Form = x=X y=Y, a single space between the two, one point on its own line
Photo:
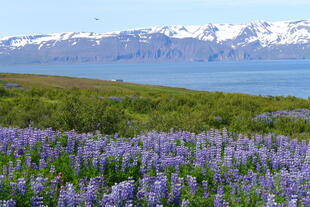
x=258 y=40
x=261 y=77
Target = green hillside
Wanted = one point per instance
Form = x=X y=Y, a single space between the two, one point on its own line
x=87 y=105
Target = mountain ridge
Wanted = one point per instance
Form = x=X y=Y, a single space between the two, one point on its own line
x=209 y=42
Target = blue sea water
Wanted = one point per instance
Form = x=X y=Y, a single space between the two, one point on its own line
x=276 y=78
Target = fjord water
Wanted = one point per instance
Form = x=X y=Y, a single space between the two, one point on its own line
x=265 y=77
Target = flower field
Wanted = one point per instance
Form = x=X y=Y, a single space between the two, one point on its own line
x=270 y=117
x=216 y=168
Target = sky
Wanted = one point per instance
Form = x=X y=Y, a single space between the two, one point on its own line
x=25 y=17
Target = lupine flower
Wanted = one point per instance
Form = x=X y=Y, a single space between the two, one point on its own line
x=38 y=185
x=192 y=183
x=8 y=203
x=107 y=201
x=18 y=165
x=152 y=199
x=205 y=189
x=269 y=117
x=68 y=196
x=267 y=166
x=123 y=191
x=271 y=201
x=218 y=200
x=13 y=186
x=42 y=164
x=53 y=186
x=52 y=169
x=21 y=186
x=185 y=203
x=292 y=203
x=90 y=195
x=28 y=161
x=176 y=186
x=2 y=177
x=37 y=201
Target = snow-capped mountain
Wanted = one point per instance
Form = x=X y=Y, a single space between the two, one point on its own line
x=210 y=42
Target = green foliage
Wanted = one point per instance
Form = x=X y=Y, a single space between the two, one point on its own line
x=141 y=109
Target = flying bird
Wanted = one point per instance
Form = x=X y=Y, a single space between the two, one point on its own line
x=96 y=19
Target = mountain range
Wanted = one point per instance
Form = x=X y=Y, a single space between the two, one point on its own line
x=210 y=42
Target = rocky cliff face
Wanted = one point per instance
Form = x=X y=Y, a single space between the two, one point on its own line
x=211 y=42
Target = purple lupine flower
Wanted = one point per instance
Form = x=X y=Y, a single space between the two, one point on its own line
x=2 y=177
x=185 y=203
x=13 y=186
x=107 y=201
x=42 y=164
x=18 y=165
x=4 y=170
x=151 y=199
x=271 y=201
x=292 y=203
x=59 y=148
x=192 y=183
x=68 y=197
x=83 y=187
x=37 y=201
x=176 y=186
x=53 y=186
x=90 y=195
x=52 y=169
x=95 y=163
x=77 y=167
x=160 y=187
x=282 y=164
x=28 y=161
x=11 y=170
x=123 y=191
x=21 y=186
x=8 y=203
x=70 y=143
x=218 y=200
x=205 y=189
x=306 y=199
x=38 y=185
x=228 y=157
x=125 y=161
x=270 y=117
x=71 y=160
x=102 y=163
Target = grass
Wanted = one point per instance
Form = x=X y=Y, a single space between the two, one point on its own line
x=45 y=81
x=67 y=103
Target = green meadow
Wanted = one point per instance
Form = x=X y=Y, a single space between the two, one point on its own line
x=87 y=105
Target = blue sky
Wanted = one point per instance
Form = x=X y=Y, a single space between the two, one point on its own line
x=21 y=17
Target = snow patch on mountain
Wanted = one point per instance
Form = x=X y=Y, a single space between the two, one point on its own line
x=266 y=34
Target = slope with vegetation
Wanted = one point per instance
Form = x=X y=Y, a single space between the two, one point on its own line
x=65 y=103
x=210 y=149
